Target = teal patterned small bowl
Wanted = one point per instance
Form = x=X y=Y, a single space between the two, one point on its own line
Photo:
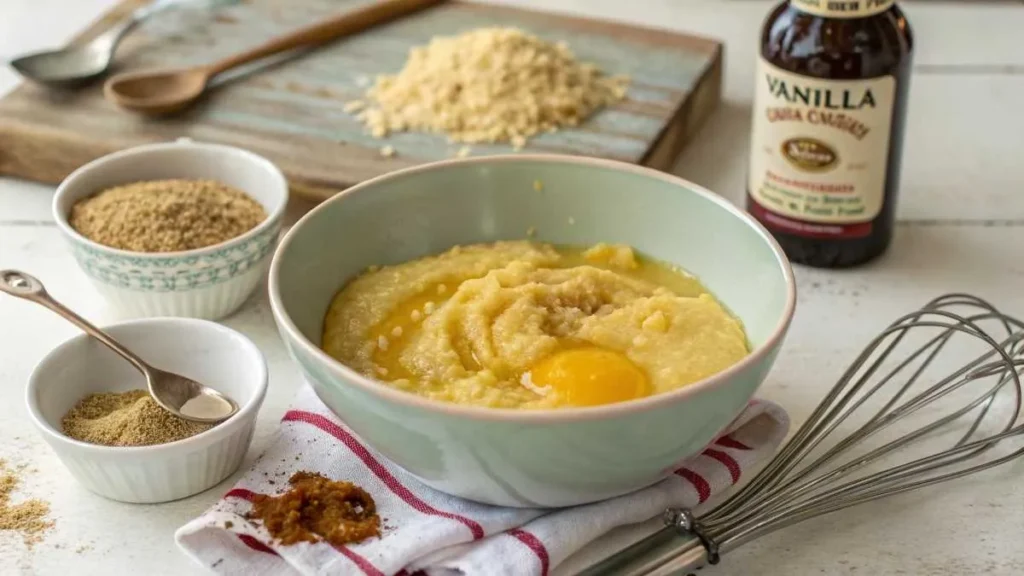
x=532 y=458
x=207 y=283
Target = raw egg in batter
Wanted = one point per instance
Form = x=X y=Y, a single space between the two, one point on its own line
x=591 y=376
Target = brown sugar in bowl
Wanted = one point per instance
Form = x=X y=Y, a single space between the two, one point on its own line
x=173 y=215
x=208 y=282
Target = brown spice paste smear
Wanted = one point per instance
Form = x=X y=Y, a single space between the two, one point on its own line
x=318 y=508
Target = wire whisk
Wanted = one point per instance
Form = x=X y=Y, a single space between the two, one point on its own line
x=935 y=397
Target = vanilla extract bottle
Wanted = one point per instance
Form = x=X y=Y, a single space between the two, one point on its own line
x=827 y=136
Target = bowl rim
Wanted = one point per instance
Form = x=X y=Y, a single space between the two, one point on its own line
x=215 y=434
x=273 y=218
x=514 y=415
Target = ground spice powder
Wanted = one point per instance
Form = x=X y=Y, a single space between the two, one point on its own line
x=130 y=418
x=29 y=517
x=317 y=508
x=166 y=215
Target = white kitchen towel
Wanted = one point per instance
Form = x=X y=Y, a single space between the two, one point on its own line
x=426 y=530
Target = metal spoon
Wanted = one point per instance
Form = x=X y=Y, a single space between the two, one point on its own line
x=169 y=390
x=167 y=91
x=76 y=65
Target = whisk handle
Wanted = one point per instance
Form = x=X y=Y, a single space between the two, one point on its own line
x=664 y=553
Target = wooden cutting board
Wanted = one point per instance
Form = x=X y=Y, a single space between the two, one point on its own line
x=291 y=110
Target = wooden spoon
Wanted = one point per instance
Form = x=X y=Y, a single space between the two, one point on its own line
x=166 y=92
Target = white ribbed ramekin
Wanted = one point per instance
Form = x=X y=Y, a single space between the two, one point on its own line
x=205 y=351
x=206 y=283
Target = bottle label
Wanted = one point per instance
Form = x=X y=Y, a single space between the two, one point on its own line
x=819 y=151
x=842 y=8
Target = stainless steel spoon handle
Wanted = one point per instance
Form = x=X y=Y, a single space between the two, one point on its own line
x=29 y=288
x=161 y=5
x=113 y=36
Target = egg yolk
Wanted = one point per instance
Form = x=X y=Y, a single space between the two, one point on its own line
x=591 y=376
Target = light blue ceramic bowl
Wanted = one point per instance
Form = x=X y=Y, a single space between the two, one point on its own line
x=532 y=458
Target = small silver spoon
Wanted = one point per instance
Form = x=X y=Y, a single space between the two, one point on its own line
x=76 y=65
x=171 y=391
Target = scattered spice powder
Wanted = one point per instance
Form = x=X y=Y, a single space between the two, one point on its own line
x=317 y=508
x=130 y=418
x=28 y=518
x=166 y=215
x=491 y=84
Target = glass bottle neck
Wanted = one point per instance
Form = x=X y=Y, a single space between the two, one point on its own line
x=842 y=8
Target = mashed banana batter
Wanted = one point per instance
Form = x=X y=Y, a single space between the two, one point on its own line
x=529 y=325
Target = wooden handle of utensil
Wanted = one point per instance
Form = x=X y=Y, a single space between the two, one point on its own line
x=320 y=32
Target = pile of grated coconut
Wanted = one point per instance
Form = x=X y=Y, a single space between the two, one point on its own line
x=488 y=85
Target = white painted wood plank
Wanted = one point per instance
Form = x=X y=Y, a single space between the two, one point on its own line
x=964 y=141
x=23 y=203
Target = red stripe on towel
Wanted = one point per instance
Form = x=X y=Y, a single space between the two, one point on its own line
x=256 y=544
x=728 y=461
x=700 y=484
x=378 y=469
x=249 y=541
x=241 y=493
x=534 y=544
x=359 y=561
x=730 y=442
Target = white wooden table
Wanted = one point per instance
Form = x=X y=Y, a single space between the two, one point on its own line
x=961 y=229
